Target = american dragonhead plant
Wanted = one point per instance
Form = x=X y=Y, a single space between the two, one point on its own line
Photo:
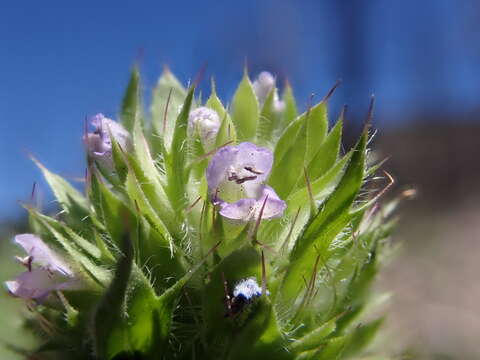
x=209 y=233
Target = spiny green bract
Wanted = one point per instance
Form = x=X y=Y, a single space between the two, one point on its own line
x=160 y=262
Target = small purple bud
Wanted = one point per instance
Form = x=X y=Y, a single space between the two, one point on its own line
x=207 y=122
x=236 y=176
x=262 y=86
x=99 y=144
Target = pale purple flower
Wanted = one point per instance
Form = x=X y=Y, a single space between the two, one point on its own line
x=99 y=144
x=47 y=271
x=207 y=122
x=236 y=178
x=262 y=86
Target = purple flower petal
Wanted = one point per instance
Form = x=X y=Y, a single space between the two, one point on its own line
x=243 y=209
x=41 y=254
x=274 y=206
x=51 y=272
x=99 y=144
x=95 y=144
x=38 y=283
x=104 y=126
x=217 y=169
x=248 y=209
x=243 y=161
x=31 y=284
x=236 y=176
x=258 y=159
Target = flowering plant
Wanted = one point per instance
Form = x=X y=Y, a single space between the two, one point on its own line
x=209 y=233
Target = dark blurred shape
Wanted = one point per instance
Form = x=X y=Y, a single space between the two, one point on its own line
x=439 y=158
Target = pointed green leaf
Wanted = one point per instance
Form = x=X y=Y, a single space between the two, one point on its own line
x=288 y=172
x=177 y=159
x=327 y=153
x=268 y=121
x=316 y=129
x=110 y=208
x=245 y=110
x=327 y=224
x=131 y=105
x=98 y=274
x=287 y=140
x=110 y=336
x=226 y=131
x=119 y=163
x=153 y=191
x=163 y=117
x=155 y=253
x=289 y=137
x=71 y=201
x=141 y=306
x=214 y=102
x=150 y=178
x=315 y=338
x=126 y=319
x=290 y=112
x=321 y=187
x=344 y=194
x=138 y=197
x=84 y=245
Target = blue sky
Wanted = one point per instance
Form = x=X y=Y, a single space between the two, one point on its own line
x=62 y=61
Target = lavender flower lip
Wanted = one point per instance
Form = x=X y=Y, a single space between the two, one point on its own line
x=236 y=176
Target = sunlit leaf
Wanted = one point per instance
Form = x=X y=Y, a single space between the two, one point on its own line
x=168 y=91
x=245 y=110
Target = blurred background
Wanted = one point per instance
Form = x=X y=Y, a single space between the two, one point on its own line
x=62 y=61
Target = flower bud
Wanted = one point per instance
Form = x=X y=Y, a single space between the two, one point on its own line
x=207 y=122
x=99 y=144
x=262 y=86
